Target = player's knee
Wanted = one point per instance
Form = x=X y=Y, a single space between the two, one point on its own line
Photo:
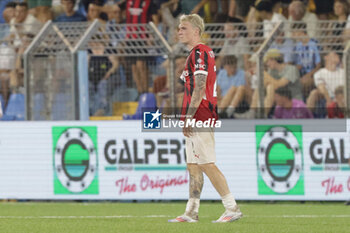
x=193 y=168
x=206 y=167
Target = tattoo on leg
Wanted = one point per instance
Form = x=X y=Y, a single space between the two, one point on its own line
x=196 y=185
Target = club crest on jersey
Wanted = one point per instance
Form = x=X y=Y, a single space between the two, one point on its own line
x=185 y=73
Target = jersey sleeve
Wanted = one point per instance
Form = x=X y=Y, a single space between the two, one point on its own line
x=200 y=62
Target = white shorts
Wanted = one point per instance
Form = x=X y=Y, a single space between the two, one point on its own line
x=200 y=148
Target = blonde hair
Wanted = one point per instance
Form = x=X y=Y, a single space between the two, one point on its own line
x=195 y=20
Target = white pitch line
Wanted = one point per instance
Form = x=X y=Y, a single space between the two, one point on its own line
x=297 y=216
x=82 y=217
x=167 y=216
x=316 y=216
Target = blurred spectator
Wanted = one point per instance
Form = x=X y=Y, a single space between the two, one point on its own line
x=41 y=9
x=83 y=7
x=169 y=17
x=251 y=77
x=139 y=12
x=114 y=14
x=250 y=89
x=264 y=13
x=29 y=23
x=17 y=74
x=21 y=24
x=297 y=12
x=86 y=3
x=341 y=11
x=307 y=56
x=279 y=74
x=276 y=6
x=285 y=46
x=69 y=14
x=3 y=4
x=103 y=77
x=95 y=12
x=327 y=80
x=230 y=88
x=235 y=43
x=289 y=108
x=116 y=33
x=336 y=108
x=7 y=63
x=8 y=14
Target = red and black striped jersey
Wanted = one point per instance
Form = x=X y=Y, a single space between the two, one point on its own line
x=139 y=11
x=201 y=61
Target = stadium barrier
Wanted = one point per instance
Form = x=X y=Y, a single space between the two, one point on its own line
x=270 y=160
x=124 y=61
x=87 y=67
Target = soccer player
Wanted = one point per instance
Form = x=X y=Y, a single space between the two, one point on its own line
x=199 y=103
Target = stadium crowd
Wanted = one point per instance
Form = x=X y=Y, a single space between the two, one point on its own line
x=300 y=75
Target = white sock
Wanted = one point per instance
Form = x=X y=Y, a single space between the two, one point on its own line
x=192 y=205
x=230 y=110
x=229 y=202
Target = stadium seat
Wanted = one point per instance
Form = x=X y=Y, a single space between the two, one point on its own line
x=147 y=102
x=15 y=109
x=120 y=108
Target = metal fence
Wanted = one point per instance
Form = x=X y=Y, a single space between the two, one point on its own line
x=50 y=71
x=77 y=70
x=123 y=62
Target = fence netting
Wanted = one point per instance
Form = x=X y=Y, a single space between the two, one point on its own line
x=123 y=62
x=259 y=67
x=302 y=74
x=51 y=72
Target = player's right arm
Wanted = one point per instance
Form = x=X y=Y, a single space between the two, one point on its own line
x=197 y=96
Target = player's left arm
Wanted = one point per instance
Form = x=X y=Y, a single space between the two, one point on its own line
x=198 y=94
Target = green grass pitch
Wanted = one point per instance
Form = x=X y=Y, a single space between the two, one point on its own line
x=64 y=217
